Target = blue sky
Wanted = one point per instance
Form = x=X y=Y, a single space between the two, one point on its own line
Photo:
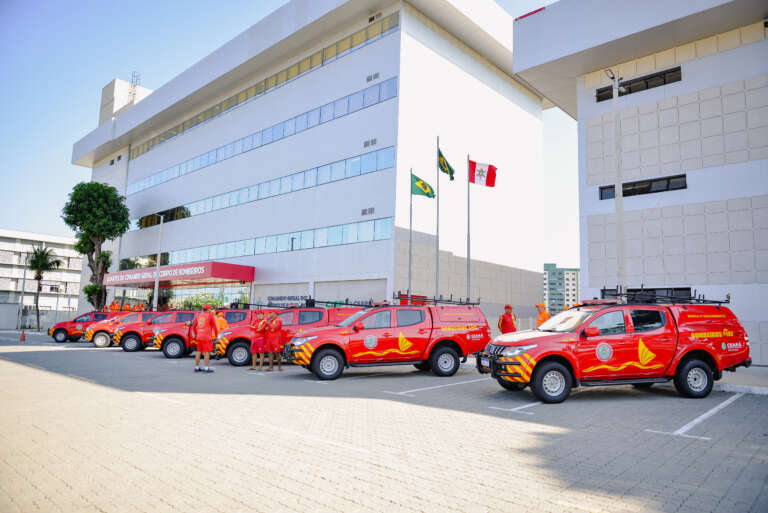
x=57 y=55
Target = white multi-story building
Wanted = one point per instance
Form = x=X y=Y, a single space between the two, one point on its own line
x=693 y=145
x=560 y=287
x=288 y=149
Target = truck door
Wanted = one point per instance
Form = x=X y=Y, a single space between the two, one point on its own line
x=309 y=319
x=376 y=341
x=80 y=324
x=606 y=356
x=413 y=332
x=155 y=326
x=655 y=338
x=289 y=327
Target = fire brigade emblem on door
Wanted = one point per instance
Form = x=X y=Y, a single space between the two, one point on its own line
x=371 y=341
x=604 y=352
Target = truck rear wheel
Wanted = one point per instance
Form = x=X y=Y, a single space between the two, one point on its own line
x=239 y=354
x=327 y=364
x=101 y=339
x=551 y=382
x=694 y=379
x=444 y=361
x=131 y=343
x=511 y=385
x=174 y=348
x=60 y=335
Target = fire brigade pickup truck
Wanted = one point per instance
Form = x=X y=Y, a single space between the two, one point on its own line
x=174 y=339
x=139 y=335
x=104 y=329
x=73 y=330
x=429 y=337
x=618 y=344
x=235 y=342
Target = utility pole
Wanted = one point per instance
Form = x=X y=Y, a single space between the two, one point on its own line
x=157 y=265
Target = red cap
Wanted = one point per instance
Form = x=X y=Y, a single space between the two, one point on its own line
x=507 y=306
x=206 y=307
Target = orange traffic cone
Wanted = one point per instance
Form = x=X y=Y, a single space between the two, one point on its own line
x=23 y=338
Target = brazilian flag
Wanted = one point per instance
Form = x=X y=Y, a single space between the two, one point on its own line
x=420 y=187
x=443 y=164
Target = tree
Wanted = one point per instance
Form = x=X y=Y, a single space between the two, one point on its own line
x=197 y=300
x=97 y=213
x=40 y=261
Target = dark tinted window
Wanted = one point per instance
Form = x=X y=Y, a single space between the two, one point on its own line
x=287 y=318
x=147 y=316
x=640 y=84
x=233 y=317
x=648 y=320
x=129 y=318
x=377 y=320
x=310 y=316
x=611 y=323
x=408 y=317
x=83 y=318
x=184 y=316
x=99 y=317
x=671 y=183
x=162 y=319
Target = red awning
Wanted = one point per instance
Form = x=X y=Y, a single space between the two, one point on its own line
x=206 y=273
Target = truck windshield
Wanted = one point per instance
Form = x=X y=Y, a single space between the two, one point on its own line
x=349 y=321
x=566 y=321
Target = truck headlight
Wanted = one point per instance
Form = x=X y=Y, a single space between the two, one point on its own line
x=297 y=341
x=224 y=334
x=157 y=331
x=517 y=350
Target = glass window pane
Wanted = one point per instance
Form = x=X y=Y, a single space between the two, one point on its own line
x=350 y=233
x=316 y=59
x=371 y=96
x=368 y=163
x=259 y=245
x=313 y=117
x=383 y=229
x=329 y=53
x=216 y=203
x=231 y=249
x=208 y=205
x=340 y=108
x=389 y=89
x=277 y=132
x=260 y=87
x=353 y=167
x=374 y=30
x=285 y=184
x=211 y=157
x=253 y=193
x=289 y=127
x=239 y=248
x=334 y=235
x=310 y=177
x=365 y=231
x=321 y=237
x=295 y=239
x=297 y=181
x=223 y=200
x=307 y=239
x=355 y=101
x=323 y=174
x=293 y=71
x=281 y=76
x=337 y=170
x=270 y=82
x=611 y=323
x=270 y=244
x=263 y=190
x=248 y=249
x=256 y=139
x=213 y=252
x=283 y=242
x=246 y=143
x=266 y=136
x=358 y=38
x=326 y=113
x=301 y=123
x=274 y=187
x=304 y=66
x=343 y=45
x=385 y=158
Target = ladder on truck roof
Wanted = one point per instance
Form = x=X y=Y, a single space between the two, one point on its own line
x=642 y=295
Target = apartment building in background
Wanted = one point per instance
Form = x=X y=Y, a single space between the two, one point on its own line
x=692 y=149
x=560 y=287
x=288 y=151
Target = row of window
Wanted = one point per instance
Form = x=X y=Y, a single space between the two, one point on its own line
x=320 y=58
x=336 y=109
x=346 y=168
x=640 y=84
x=351 y=233
x=668 y=183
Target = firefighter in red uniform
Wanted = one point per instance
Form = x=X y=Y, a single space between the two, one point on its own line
x=507 y=321
x=275 y=326
x=204 y=331
x=258 y=344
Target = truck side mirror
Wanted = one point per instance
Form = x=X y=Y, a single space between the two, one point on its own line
x=359 y=326
x=591 y=331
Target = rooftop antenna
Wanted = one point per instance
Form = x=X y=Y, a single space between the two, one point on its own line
x=135 y=81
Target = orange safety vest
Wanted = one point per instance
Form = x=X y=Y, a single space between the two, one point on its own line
x=221 y=323
x=543 y=317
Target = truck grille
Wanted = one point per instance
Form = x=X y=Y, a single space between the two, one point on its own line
x=495 y=350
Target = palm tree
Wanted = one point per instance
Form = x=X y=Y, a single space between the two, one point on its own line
x=41 y=260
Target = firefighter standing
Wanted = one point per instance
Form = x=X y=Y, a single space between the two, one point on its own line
x=543 y=314
x=221 y=321
x=258 y=345
x=275 y=326
x=507 y=321
x=204 y=331
x=114 y=306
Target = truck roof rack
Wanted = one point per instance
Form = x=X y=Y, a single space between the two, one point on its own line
x=426 y=300
x=642 y=295
x=306 y=303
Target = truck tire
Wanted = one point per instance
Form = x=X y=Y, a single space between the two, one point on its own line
x=444 y=361
x=101 y=339
x=327 y=364
x=131 y=343
x=511 y=385
x=174 y=348
x=60 y=336
x=423 y=366
x=551 y=382
x=239 y=354
x=694 y=379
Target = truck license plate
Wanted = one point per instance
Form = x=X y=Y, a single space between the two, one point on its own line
x=484 y=362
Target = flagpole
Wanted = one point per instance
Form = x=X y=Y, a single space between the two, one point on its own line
x=469 y=260
x=437 y=237
x=410 y=234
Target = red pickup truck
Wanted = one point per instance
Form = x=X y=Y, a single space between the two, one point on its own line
x=235 y=342
x=174 y=340
x=100 y=333
x=139 y=335
x=429 y=337
x=620 y=344
x=73 y=330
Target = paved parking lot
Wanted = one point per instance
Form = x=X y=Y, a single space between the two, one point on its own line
x=85 y=429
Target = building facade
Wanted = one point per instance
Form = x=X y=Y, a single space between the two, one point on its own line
x=560 y=287
x=692 y=146
x=289 y=149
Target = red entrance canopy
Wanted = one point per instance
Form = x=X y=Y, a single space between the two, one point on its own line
x=185 y=274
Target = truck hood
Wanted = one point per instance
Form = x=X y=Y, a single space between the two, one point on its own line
x=325 y=331
x=520 y=337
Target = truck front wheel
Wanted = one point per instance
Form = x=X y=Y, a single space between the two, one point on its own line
x=101 y=339
x=694 y=379
x=60 y=336
x=239 y=354
x=551 y=382
x=327 y=364
x=174 y=348
x=444 y=361
x=131 y=343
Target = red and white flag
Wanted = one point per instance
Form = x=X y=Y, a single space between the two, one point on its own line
x=482 y=174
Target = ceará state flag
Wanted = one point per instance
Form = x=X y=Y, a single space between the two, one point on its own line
x=482 y=174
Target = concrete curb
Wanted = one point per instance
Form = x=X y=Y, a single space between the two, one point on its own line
x=742 y=389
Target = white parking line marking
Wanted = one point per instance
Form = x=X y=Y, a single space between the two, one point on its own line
x=698 y=420
x=317 y=381
x=518 y=409
x=408 y=393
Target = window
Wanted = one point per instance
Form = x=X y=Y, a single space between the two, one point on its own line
x=371 y=96
x=129 y=319
x=287 y=318
x=323 y=174
x=669 y=183
x=334 y=235
x=233 y=317
x=163 y=319
x=353 y=167
x=368 y=163
x=321 y=237
x=99 y=316
x=297 y=181
x=184 y=316
x=611 y=323
x=640 y=84
x=380 y=319
x=385 y=158
x=337 y=170
x=647 y=320
x=283 y=242
x=310 y=316
x=310 y=177
x=408 y=317
x=147 y=316
x=326 y=113
x=355 y=101
x=307 y=239
x=365 y=231
x=340 y=108
x=350 y=233
x=383 y=229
